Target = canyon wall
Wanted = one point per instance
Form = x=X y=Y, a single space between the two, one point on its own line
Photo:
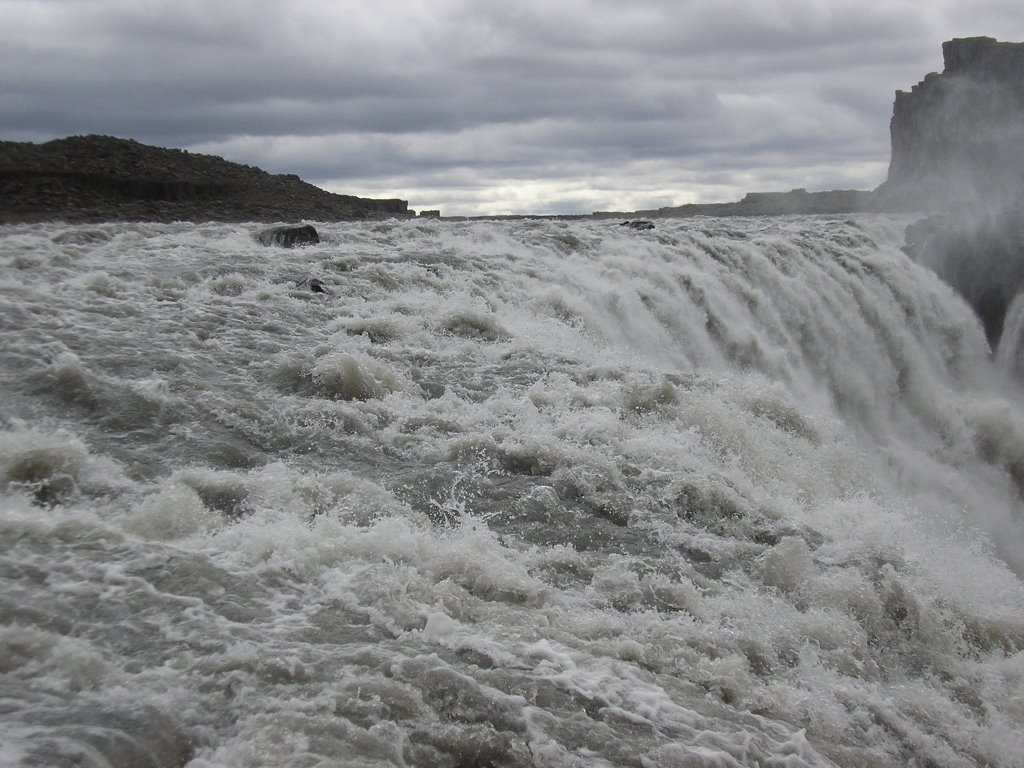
x=958 y=137
x=958 y=153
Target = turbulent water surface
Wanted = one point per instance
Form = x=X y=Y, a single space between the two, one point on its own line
x=725 y=493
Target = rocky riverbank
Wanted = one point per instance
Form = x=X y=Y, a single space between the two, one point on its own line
x=101 y=178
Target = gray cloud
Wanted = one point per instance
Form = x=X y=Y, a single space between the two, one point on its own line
x=491 y=106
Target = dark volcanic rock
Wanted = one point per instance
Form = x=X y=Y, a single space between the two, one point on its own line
x=957 y=137
x=957 y=140
x=796 y=201
x=100 y=178
x=981 y=256
x=638 y=224
x=314 y=284
x=289 y=237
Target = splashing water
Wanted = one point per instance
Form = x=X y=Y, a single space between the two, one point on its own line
x=727 y=492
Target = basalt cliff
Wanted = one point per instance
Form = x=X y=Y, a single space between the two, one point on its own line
x=958 y=152
x=958 y=136
x=101 y=178
x=957 y=145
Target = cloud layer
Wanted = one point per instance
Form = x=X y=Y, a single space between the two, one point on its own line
x=492 y=107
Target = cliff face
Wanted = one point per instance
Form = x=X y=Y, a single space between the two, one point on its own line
x=958 y=149
x=99 y=178
x=958 y=137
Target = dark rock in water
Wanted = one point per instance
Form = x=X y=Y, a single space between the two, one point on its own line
x=981 y=256
x=314 y=284
x=638 y=224
x=289 y=237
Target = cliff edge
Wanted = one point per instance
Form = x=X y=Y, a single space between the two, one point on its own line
x=102 y=178
x=958 y=137
x=958 y=152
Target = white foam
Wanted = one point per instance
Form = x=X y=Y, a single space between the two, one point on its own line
x=728 y=492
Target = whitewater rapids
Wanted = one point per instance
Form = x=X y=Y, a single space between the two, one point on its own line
x=724 y=493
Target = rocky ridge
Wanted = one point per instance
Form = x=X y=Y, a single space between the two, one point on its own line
x=102 y=178
x=796 y=201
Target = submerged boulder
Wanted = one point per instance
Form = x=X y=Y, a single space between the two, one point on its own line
x=289 y=237
x=638 y=224
x=314 y=284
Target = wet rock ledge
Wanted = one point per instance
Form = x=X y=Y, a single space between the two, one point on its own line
x=102 y=178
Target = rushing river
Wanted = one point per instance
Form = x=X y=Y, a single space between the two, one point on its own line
x=724 y=493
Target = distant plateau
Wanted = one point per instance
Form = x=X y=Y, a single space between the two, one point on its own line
x=956 y=141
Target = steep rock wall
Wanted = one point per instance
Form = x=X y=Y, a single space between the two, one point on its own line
x=958 y=137
x=958 y=150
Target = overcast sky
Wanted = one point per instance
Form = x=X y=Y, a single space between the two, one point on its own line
x=481 y=107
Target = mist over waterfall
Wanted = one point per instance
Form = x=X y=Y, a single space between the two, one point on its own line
x=956 y=137
x=729 y=492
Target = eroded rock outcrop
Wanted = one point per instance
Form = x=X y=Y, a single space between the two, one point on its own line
x=958 y=137
x=101 y=178
x=958 y=152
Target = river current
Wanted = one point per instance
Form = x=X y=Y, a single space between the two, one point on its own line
x=730 y=492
